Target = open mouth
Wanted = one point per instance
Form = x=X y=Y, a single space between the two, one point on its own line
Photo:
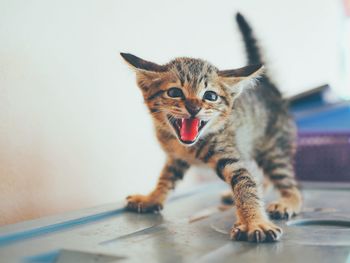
x=187 y=130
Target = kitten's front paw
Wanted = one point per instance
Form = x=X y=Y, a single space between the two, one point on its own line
x=282 y=210
x=143 y=204
x=263 y=231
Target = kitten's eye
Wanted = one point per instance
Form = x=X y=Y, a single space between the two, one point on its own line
x=210 y=95
x=175 y=93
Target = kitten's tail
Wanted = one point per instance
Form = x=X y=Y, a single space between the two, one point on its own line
x=254 y=55
x=251 y=46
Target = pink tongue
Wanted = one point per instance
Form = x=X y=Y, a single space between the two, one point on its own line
x=189 y=129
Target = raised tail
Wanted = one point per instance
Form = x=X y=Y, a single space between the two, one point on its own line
x=251 y=46
x=254 y=55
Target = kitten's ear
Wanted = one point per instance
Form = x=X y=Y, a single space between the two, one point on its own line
x=140 y=64
x=148 y=74
x=233 y=76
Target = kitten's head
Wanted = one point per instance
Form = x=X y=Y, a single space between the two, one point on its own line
x=189 y=97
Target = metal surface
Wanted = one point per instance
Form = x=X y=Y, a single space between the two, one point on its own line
x=192 y=228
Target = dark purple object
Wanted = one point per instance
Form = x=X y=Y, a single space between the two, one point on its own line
x=323 y=156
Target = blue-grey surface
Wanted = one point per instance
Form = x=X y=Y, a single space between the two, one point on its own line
x=323 y=118
x=192 y=228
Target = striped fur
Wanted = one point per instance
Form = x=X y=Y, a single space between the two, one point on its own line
x=246 y=124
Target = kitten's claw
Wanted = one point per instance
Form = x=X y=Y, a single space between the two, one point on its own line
x=257 y=232
x=271 y=236
x=279 y=210
x=143 y=204
x=237 y=234
x=258 y=236
x=139 y=208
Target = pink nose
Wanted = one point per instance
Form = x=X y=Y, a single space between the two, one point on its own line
x=192 y=108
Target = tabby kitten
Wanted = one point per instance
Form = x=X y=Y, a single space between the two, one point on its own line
x=203 y=115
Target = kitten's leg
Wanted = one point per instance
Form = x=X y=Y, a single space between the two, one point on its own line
x=252 y=222
x=173 y=171
x=227 y=196
x=280 y=171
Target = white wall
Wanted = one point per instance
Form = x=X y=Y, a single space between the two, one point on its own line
x=73 y=128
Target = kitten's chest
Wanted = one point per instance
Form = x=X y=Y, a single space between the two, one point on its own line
x=178 y=151
x=244 y=138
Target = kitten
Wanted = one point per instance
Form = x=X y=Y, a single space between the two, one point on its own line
x=203 y=115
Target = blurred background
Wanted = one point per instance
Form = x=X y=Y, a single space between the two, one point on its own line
x=74 y=132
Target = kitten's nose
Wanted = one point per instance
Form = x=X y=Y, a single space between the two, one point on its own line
x=192 y=108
